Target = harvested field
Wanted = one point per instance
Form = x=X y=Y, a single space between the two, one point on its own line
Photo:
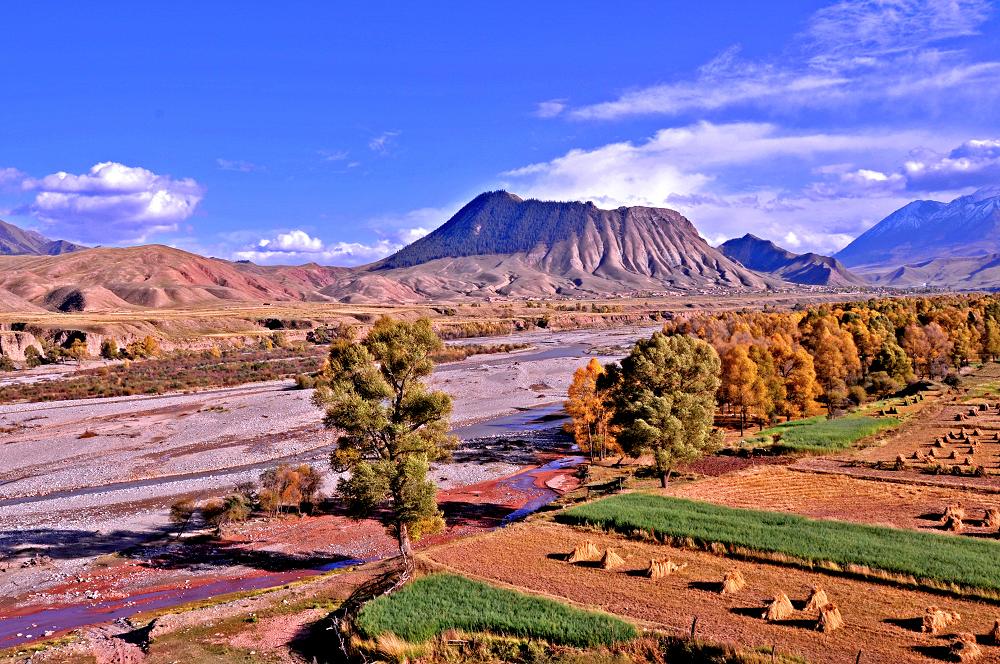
x=883 y=621
x=931 y=558
x=843 y=497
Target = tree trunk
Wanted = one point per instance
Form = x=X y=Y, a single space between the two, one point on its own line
x=405 y=545
x=665 y=478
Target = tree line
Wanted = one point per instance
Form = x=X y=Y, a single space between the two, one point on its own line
x=765 y=365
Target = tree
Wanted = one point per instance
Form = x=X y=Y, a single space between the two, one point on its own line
x=181 y=513
x=739 y=382
x=835 y=359
x=590 y=412
x=109 y=349
x=991 y=339
x=663 y=395
x=894 y=362
x=801 y=384
x=769 y=386
x=33 y=357
x=391 y=426
x=78 y=350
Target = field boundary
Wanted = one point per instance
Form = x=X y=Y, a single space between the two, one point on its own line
x=867 y=475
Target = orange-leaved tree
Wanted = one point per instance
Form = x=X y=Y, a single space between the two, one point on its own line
x=591 y=412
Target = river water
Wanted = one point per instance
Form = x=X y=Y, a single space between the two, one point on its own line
x=33 y=624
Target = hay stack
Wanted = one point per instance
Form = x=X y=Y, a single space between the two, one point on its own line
x=964 y=648
x=817 y=599
x=916 y=455
x=733 y=582
x=959 y=417
x=779 y=609
x=936 y=620
x=983 y=406
x=829 y=618
x=953 y=455
x=585 y=552
x=968 y=461
x=660 y=568
x=975 y=432
x=938 y=443
x=972 y=412
x=953 y=512
x=931 y=454
x=992 y=518
x=611 y=560
x=995 y=633
x=954 y=524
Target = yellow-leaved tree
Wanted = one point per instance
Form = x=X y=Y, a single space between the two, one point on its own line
x=591 y=413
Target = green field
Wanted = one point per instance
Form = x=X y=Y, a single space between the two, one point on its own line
x=965 y=561
x=819 y=435
x=428 y=606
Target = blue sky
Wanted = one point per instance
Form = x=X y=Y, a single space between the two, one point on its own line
x=336 y=132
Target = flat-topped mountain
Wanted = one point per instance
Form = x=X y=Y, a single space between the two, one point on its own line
x=501 y=244
x=809 y=269
x=16 y=241
x=923 y=230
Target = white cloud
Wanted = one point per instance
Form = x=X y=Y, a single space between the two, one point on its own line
x=333 y=155
x=550 y=108
x=690 y=169
x=10 y=178
x=853 y=54
x=297 y=246
x=975 y=163
x=237 y=165
x=383 y=142
x=113 y=203
x=294 y=241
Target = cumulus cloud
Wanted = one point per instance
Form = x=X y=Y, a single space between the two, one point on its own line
x=975 y=163
x=237 y=165
x=10 y=178
x=297 y=246
x=382 y=143
x=113 y=202
x=851 y=53
x=710 y=173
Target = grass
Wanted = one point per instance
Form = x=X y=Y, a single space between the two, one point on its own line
x=435 y=603
x=818 y=435
x=944 y=559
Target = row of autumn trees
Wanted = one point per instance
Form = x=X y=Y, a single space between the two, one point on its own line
x=785 y=364
x=789 y=364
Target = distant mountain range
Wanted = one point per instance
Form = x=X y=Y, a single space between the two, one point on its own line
x=809 y=269
x=16 y=241
x=500 y=245
x=925 y=230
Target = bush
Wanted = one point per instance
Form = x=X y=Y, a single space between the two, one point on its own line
x=6 y=364
x=952 y=379
x=109 y=349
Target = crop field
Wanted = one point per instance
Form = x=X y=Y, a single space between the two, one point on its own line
x=435 y=603
x=843 y=497
x=882 y=620
x=819 y=435
x=938 y=558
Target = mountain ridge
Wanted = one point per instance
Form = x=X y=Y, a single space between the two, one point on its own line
x=17 y=241
x=808 y=269
x=923 y=230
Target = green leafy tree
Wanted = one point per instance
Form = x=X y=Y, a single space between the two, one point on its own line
x=33 y=357
x=991 y=339
x=664 y=400
x=894 y=361
x=391 y=426
x=109 y=349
